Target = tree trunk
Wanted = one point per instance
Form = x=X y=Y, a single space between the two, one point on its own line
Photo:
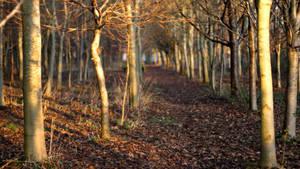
x=45 y=53
x=34 y=139
x=278 y=47
x=20 y=46
x=191 y=47
x=101 y=84
x=268 y=150
x=222 y=70
x=292 y=31
x=133 y=75
x=2 y=103
x=49 y=83
x=252 y=72
x=204 y=60
x=233 y=49
x=61 y=47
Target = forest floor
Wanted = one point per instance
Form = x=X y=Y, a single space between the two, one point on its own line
x=181 y=124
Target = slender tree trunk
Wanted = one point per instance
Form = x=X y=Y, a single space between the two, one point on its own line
x=252 y=72
x=61 y=49
x=49 y=83
x=278 y=47
x=45 y=53
x=101 y=84
x=233 y=49
x=34 y=139
x=191 y=47
x=133 y=75
x=222 y=70
x=2 y=103
x=86 y=66
x=69 y=64
x=268 y=150
x=20 y=46
x=204 y=60
x=292 y=31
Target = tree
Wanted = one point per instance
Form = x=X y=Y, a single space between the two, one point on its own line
x=133 y=58
x=53 y=51
x=268 y=150
x=1 y=62
x=34 y=139
x=292 y=27
x=252 y=53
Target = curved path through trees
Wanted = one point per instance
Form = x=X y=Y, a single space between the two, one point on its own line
x=181 y=125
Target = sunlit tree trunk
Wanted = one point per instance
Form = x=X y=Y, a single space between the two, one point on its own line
x=1 y=60
x=86 y=65
x=292 y=15
x=69 y=63
x=45 y=54
x=222 y=70
x=268 y=150
x=199 y=59
x=252 y=72
x=233 y=49
x=204 y=60
x=191 y=56
x=20 y=47
x=49 y=83
x=278 y=47
x=61 y=47
x=133 y=76
x=34 y=139
x=101 y=84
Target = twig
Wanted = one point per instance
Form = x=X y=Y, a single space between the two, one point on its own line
x=8 y=162
x=11 y=14
x=51 y=135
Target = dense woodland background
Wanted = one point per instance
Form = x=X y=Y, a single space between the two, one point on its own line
x=149 y=84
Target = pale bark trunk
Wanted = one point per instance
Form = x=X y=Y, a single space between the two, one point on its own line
x=69 y=64
x=204 y=60
x=252 y=72
x=2 y=103
x=278 y=47
x=292 y=29
x=101 y=84
x=34 y=139
x=222 y=70
x=191 y=58
x=133 y=76
x=20 y=46
x=233 y=49
x=45 y=53
x=268 y=150
x=185 y=53
x=61 y=49
x=49 y=83
x=86 y=66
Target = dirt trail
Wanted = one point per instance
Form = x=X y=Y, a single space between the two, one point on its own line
x=183 y=126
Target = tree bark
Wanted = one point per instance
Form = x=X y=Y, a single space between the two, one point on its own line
x=2 y=103
x=34 y=139
x=20 y=46
x=61 y=47
x=49 y=83
x=268 y=150
x=252 y=72
x=133 y=75
x=101 y=84
x=292 y=31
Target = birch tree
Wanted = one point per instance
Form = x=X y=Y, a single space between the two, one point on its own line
x=34 y=139
x=268 y=150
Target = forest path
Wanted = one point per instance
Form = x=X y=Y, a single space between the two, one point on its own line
x=181 y=125
x=193 y=128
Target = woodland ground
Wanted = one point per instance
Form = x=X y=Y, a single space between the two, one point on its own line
x=182 y=124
